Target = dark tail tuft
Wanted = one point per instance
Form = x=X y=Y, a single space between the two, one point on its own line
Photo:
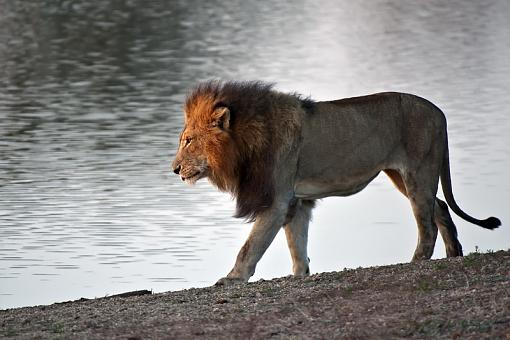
x=491 y=223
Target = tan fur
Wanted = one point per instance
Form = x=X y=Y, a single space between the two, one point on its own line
x=276 y=153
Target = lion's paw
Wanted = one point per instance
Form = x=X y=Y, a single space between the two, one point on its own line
x=229 y=281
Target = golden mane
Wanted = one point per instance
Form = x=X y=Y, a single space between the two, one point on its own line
x=242 y=166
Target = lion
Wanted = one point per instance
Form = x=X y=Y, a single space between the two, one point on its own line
x=277 y=153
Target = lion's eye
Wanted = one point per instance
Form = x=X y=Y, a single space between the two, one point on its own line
x=187 y=141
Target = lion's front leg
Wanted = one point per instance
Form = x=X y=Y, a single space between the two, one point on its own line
x=296 y=231
x=263 y=232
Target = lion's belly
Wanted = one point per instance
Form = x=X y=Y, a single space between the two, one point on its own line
x=316 y=189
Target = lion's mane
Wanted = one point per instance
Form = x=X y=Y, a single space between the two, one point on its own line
x=245 y=167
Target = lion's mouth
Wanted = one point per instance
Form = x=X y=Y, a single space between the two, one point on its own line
x=191 y=179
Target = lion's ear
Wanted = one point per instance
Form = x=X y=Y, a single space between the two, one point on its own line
x=221 y=117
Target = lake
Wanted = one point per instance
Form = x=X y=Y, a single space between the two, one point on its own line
x=91 y=97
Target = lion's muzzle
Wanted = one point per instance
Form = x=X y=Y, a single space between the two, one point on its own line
x=177 y=164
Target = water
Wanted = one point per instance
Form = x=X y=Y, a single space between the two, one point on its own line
x=90 y=111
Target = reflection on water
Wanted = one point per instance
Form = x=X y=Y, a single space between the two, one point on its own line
x=90 y=111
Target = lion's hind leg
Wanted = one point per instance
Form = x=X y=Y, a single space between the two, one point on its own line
x=447 y=229
x=442 y=217
x=422 y=200
x=296 y=231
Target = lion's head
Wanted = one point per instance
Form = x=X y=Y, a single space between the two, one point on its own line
x=226 y=139
x=206 y=148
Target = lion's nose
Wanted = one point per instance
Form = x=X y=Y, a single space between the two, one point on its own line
x=177 y=169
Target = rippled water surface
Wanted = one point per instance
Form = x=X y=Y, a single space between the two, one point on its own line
x=90 y=111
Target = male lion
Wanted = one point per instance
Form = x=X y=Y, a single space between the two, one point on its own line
x=277 y=153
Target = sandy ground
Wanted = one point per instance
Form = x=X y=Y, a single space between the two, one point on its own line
x=452 y=298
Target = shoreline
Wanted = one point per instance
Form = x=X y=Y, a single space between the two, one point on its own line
x=457 y=297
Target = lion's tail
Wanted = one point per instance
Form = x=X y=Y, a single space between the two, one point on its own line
x=446 y=183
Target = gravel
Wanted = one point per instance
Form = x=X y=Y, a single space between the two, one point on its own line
x=465 y=297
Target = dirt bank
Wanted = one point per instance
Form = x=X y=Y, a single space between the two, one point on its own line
x=462 y=297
